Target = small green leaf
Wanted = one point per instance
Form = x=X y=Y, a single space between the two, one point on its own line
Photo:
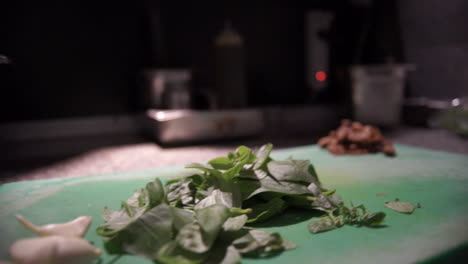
x=374 y=219
x=156 y=192
x=263 y=155
x=321 y=201
x=244 y=155
x=291 y=170
x=211 y=220
x=242 y=150
x=221 y=163
x=402 y=207
x=234 y=171
x=324 y=223
x=216 y=197
x=235 y=223
x=268 y=184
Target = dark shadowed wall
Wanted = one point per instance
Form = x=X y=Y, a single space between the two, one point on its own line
x=435 y=37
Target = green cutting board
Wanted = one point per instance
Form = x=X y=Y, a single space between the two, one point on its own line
x=437 y=180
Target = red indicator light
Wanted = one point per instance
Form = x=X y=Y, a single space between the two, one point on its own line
x=320 y=76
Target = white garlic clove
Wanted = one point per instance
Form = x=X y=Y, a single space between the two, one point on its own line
x=53 y=250
x=73 y=228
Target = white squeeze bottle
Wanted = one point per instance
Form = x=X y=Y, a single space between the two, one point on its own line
x=230 y=75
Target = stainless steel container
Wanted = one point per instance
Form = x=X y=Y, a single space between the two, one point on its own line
x=188 y=126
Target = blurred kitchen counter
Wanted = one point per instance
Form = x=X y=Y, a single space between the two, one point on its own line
x=126 y=153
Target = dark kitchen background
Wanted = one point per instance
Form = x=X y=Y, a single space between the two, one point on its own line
x=83 y=58
x=73 y=60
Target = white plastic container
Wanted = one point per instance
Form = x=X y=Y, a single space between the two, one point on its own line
x=377 y=93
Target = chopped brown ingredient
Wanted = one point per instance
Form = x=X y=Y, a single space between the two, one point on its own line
x=356 y=138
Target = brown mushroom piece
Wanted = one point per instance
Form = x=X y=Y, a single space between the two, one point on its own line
x=355 y=138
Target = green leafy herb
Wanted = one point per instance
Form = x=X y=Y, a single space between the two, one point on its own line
x=341 y=215
x=402 y=207
x=203 y=215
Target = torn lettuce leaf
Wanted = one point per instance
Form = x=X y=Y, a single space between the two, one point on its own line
x=401 y=207
x=138 y=204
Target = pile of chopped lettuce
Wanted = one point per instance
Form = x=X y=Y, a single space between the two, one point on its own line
x=203 y=216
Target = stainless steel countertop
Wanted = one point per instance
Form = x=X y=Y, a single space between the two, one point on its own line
x=137 y=153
